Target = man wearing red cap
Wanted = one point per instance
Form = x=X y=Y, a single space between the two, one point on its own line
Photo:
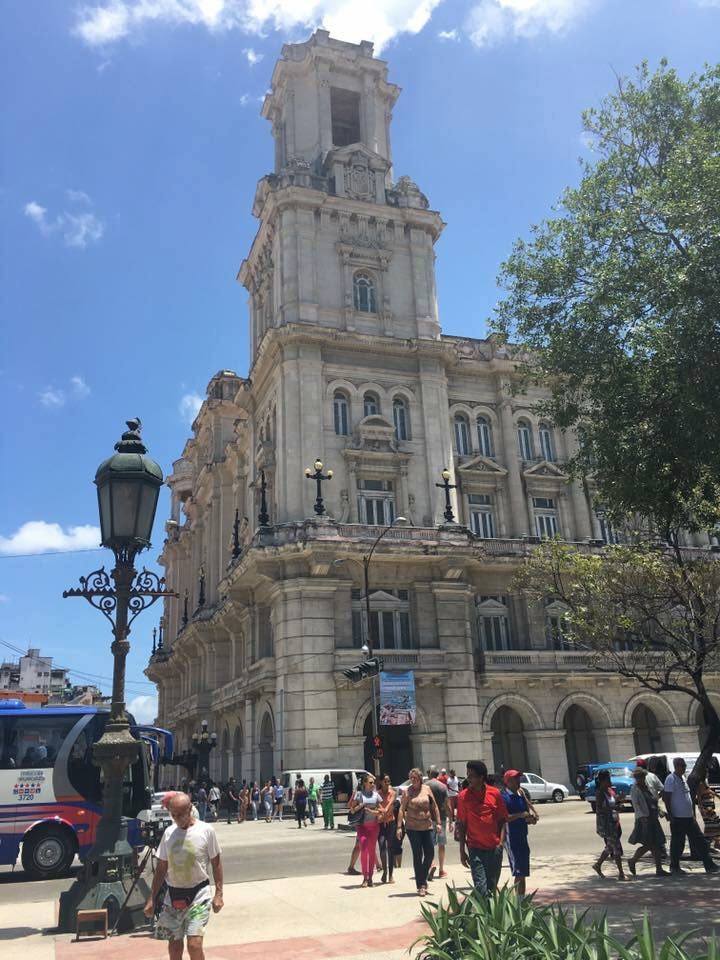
x=481 y=819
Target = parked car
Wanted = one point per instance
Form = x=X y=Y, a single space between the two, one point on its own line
x=346 y=782
x=543 y=790
x=621 y=780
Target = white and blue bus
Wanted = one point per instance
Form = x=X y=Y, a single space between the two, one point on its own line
x=51 y=791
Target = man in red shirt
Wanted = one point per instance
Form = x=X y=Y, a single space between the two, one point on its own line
x=481 y=819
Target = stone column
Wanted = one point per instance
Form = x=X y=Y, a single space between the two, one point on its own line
x=462 y=715
x=248 y=752
x=620 y=742
x=438 y=440
x=547 y=755
x=304 y=617
x=517 y=523
x=581 y=508
x=685 y=738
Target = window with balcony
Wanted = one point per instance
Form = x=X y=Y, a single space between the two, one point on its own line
x=462 y=435
x=265 y=645
x=525 y=442
x=493 y=624
x=341 y=417
x=482 y=520
x=376 y=502
x=557 y=628
x=484 y=434
x=401 y=419
x=546 y=524
x=547 y=442
x=389 y=619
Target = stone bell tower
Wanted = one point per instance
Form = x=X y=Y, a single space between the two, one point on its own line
x=340 y=244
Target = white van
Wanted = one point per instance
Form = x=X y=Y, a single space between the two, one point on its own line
x=689 y=758
x=346 y=782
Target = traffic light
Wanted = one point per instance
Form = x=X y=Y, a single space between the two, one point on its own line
x=368 y=668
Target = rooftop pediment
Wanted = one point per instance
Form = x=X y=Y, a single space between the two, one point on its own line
x=545 y=469
x=482 y=465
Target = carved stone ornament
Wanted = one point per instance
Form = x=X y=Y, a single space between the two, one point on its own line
x=360 y=183
x=471 y=350
x=406 y=193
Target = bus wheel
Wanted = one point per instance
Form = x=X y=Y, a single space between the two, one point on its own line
x=47 y=852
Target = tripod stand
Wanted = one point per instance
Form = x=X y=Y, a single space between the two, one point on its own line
x=138 y=873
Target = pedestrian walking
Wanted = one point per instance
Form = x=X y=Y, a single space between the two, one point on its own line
x=647 y=832
x=267 y=801
x=201 y=801
x=313 y=795
x=278 y=801
x=453 y=787
x=232 y=800
x=187 y=849
x=300 y=797
x=440 y=793
x=521 y=813
x=366 y=801
x=607 y=824
x=244 y=803
x=255 y=800
x=481 y=819
x=327 y=799
x=420 y=815
x=214 y=800
x=387 y=819
x=683 y=825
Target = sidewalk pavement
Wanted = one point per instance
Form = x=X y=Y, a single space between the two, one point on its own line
x=330 y=916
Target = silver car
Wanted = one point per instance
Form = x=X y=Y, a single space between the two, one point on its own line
x=541 y=790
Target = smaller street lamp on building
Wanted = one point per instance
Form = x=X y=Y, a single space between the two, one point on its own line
x=447 y=487
x=204 y=743
x=318 y=477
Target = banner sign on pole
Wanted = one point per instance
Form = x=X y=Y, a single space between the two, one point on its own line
x=397 y=698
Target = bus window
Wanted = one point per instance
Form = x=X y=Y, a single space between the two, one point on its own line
x=33 y=742
x=83 y=774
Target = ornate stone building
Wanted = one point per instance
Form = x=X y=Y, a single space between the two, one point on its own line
x=349 y=365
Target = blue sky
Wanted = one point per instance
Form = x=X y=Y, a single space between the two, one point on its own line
x=132 y=144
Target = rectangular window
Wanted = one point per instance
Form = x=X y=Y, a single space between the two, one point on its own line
x=482 y=521
x=557 y=635
x=495 y=633
x=345 y=113
x=546 y=525
x=389 y=619
x=376 y=502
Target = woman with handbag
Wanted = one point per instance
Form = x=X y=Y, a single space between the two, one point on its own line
x=607 y=824
x=647 y=832
x=364 y=811
x=419 y=813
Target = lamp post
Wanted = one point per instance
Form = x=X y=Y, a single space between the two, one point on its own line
x=263 y=516
x=204 y=743
x=128 y=484
x=369 y=645
x=318 y=477
x=447 y=487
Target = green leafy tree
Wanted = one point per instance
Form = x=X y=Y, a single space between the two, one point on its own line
x=639 y=613
x=614 y=307
x=615 y=301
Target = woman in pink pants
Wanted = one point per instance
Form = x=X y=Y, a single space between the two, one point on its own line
x=367 y=801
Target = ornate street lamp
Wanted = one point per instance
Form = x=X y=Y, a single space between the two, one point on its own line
x=204 y=743
x=318 y=477
x=128 y=486
x=263 y=516
x=447 y=487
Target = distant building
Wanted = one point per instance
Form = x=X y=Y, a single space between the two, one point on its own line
x=33 y=673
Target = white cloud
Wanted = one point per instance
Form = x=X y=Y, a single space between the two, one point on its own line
x=494 y=20
x=448 y=35
x=189 y=406
x=52 y=397
x=80 y=388
x=38 y=536
x=77 y=228
x=143 y=708
x=100 y=24
x=4 y=598
x=252 y=56
x=244 y=99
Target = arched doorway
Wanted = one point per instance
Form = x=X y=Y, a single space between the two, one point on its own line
x=238 y=744
x=508 y=740
x=266 y=742
x=645 y=730
x=580 y=743
x=224 y=754
x=397 y=758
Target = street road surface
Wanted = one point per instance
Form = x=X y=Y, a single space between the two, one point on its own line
x=260 y=851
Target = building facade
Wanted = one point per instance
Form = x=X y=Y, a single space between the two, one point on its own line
x=349 y=366
x=34 y=673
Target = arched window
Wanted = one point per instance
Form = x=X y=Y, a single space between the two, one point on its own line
x=371 y=405
x=364 y=293
x=547 y=443
x=401 y=418
x=340 y=414
x=484 y=433
x=525 y=444
x=462 y=435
